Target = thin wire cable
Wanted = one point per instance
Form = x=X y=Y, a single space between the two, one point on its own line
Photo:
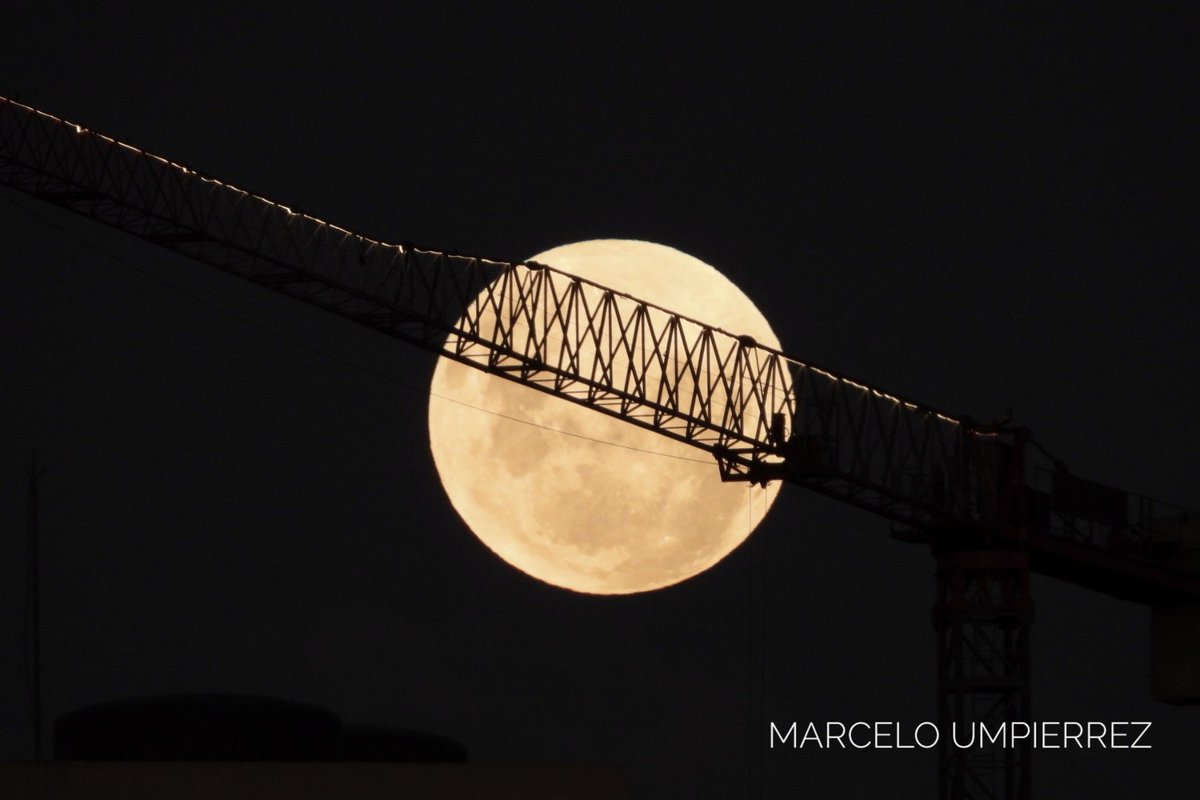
x=30 y=615
x=750 y=716
x=756 y=643
x=26 y=635
x=345 y=362
x=764 y=563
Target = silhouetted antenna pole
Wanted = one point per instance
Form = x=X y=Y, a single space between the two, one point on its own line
x=35 y=613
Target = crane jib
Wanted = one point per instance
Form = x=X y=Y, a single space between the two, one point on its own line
x=762 y=414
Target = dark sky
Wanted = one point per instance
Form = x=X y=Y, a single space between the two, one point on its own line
x=979 y=208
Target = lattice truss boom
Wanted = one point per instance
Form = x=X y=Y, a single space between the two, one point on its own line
x=762 y=414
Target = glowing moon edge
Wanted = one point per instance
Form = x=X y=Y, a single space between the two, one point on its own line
x=576 y=498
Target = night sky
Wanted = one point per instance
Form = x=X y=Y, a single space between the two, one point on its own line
x=982 y=209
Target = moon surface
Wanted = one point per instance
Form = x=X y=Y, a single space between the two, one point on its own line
x=578 y=499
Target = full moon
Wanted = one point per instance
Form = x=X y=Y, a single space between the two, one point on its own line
x=579 y=499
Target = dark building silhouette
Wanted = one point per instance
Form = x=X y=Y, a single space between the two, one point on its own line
x=204 y=727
